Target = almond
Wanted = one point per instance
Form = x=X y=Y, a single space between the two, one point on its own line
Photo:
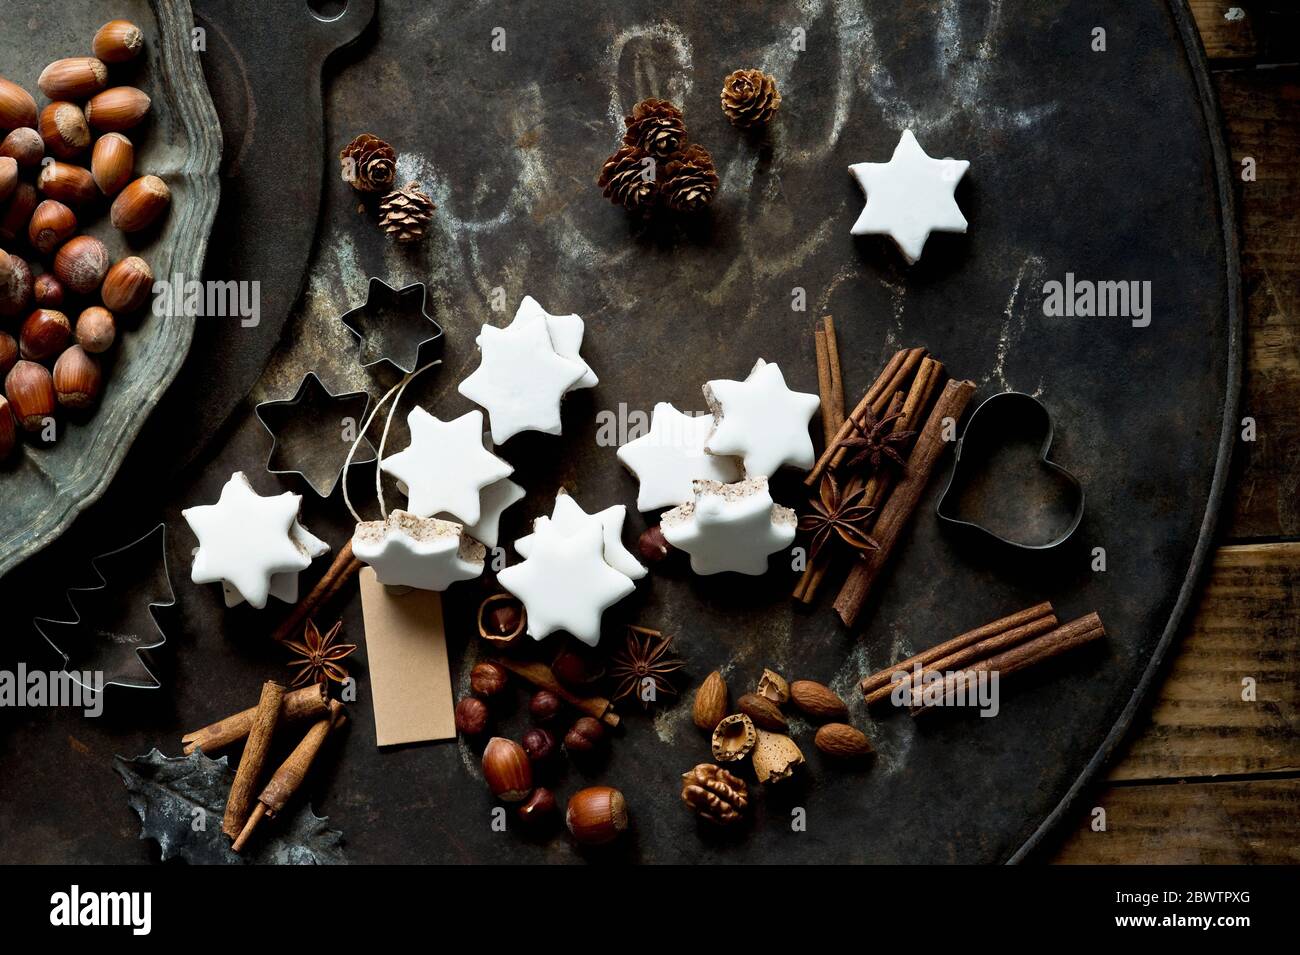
x=818 y=702
x=776 y=757
x=843 y=741
x=762 y=711
x=76 y=78
x=773 y=686
x=710 y=702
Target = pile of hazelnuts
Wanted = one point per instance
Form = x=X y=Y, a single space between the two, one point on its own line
x=47 y=270
x=596 y=815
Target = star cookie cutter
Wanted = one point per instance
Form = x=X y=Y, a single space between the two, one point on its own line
x=394 y=325
x=114 y=624
x=312 y=432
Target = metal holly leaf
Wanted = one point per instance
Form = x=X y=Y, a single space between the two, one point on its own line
x=180 y=802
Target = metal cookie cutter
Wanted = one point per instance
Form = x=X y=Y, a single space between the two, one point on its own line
x=312 y=432
x=114 y=624
x=393 y=325
x=1003 y=484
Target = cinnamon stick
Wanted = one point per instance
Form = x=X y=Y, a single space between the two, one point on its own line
x=837 y=377
x=250 y=764
x=824 y=386
x=540 y=676
x=297 y=705
x=344 y=569
x=902 y=501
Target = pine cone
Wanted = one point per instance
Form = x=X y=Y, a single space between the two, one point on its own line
x=369 y=164
x=656 y=127
x=714 y=794
x=749 y=98
x=689 y=180
x=405 y=213
x=628 y=180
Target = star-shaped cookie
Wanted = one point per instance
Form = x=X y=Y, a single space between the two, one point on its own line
x=761 y=420
x=446 y=466
x=568 y=516
x=245 y=539
x=420 y=552
x=284 y=586
x=909 y=197
x=670 y=456
x=496 y=498
x=567 y=332
x=730 y=527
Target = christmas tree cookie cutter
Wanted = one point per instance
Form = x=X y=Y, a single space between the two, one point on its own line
x=394 y=325
x=312 y=432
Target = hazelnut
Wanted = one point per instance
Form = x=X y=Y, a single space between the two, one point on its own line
x=539 y=809
x=17 y=108
x=81 y=264
x=117 y=41
x=653 y=546
x=47 y=291
x=76 y=78
x=13 y=222
x=596 y=815
x=68 y=183
x=44 y=334
x=539 y=744
x=16 y=286
x=8 y=352
x=575 y=665
x=127 y=285
x=118 y=109
x=487 y=679
x=112 y=162
x=77 y=379
x=505 y=618
x=51 y=225
x=24 y=146
x=8 y=429
x=96 y=329
x=8 y=177
x=544 y=706
x=584 y=736
x=64 y=130
x=472 y=716
x=139 y=205
x=30 y=390
x=506 y=768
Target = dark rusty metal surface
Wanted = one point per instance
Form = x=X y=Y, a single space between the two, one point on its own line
x=1106 y=165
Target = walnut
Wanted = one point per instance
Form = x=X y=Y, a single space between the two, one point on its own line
x=714 y=794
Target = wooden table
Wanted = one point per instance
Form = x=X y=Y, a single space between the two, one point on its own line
x=1212 y=773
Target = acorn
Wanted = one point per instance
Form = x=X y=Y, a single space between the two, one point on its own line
x=118 y=109
x=112 y=163
x=64 y=130
x=127 y=285
x=47 y=291
x=75 y=78
x=17 y=108
x=8 y=177
x=51 y=225
x=13 y=222
x=139 y=205
x=81 y=264
x=8 y=429
x=96 y=329
x=596 y=815
x=69 y=184
x=30 y=390
x=117 y=41
x=16 y=285
x=8 y=352
x=44 y=334
x=77 y=379
x=24 y=146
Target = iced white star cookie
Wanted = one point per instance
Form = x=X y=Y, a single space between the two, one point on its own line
x=761 y=420
x=421 y=552
x=909 y=197
x=445 y=467
x=246 y=539
x=730 y=527
x=568 y=516
x=566 y=335
x=670 y=456
x=284 y=586
x=494 y=501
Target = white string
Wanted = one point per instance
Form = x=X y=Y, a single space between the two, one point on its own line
x=383 y=439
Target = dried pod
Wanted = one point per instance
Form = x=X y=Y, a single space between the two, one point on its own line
x=24 y=146
x=544 y=706
x=127 y=285
x=763 y=712
x=653 y=546
x=776 y=757
x=540 y=808
x=584 y=736
x=710 y=702
x=117 y=41
x=139 y=205
x=842 y=741
x=118 y=109
x=47 y=291
x=64 y=130
x=112 y=163
x=30 y=390
x=507 y=770
x=714 y=794
x=539 y=744
x=67 y=183
x=45 y=333
x=17 y=108
x=18 y=213
x=96 y=329
x=8 y=429
x=16 y=286
x=487 y=679
x=51 y=224
x=75 y=78
x=8 y=177
x=77 y=379
x=773 y=686
x=818 y=702
x=8 y=352
x=81 y=264
x=734 y=738
x=596 y=815
x=471 y=713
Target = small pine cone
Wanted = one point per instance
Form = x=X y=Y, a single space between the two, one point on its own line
x=750 y=98
x=369 y=164
x=714 y=794
x=628 y=180
x=405 y=214
x=690 y=180
x=656 y=127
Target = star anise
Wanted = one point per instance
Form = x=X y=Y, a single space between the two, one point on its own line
x=318 y=659
x=872 y=442
x=647 y=655
x=835 y=513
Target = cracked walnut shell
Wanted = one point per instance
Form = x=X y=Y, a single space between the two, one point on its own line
x=733 y=738
x=714 y=794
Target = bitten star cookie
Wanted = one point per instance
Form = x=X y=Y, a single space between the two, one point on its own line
x=246 y=539
x=909 y=197
x=446 y=466
x=421 y=552
x=670 y=456
x=730 y=527
x=568 y=516
x=761 y=420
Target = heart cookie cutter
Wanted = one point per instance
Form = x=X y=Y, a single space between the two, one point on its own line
x=300 y=428
x=394 y=325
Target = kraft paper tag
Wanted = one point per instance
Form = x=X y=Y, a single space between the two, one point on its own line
x=410 y=678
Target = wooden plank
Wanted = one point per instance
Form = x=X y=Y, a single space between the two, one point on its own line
x=1226 y=29
x=1192 y=823
x=1247 y=626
